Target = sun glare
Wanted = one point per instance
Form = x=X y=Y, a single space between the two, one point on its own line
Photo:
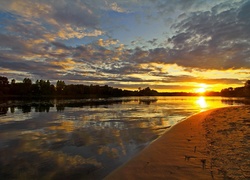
x=202 y=88
x=201 y=101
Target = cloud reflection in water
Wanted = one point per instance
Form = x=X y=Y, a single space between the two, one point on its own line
x=86 y=140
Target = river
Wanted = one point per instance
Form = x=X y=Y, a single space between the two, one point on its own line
x=86 y=138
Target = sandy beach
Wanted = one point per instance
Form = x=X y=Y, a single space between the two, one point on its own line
x=214 y=144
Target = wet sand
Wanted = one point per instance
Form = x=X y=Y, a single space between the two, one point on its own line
x=214 y=144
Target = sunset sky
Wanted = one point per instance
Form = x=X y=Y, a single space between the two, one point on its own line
x=168 y=45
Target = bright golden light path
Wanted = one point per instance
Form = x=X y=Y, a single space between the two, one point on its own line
x=202 y=102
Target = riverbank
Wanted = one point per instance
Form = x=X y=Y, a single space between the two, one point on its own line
x=210 y=145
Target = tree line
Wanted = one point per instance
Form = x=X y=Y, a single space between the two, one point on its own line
x=243 y=91
x=44 y=88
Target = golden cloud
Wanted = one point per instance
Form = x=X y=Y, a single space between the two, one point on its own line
x=107 y=42
x=66 y=64
x=69 y=32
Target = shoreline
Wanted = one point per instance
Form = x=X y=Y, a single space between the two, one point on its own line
x=199 y=147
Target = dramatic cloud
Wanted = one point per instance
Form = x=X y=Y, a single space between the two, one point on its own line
x=127 y=44
x=212 y=39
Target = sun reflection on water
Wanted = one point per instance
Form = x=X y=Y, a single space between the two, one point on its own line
x=201 y=101
x=82 y=140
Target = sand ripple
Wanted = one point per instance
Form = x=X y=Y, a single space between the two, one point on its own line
x=228 y=136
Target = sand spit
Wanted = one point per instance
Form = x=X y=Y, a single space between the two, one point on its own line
x=210 y=145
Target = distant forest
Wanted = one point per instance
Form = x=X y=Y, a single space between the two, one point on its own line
x=243 y=91
x=44 y=88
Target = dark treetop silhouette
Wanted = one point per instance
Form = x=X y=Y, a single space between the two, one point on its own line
x=44 y=88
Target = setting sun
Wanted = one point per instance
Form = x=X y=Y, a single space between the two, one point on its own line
x=202 y=88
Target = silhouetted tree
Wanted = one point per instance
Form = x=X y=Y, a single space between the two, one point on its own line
x=27 y=81
x=247 y=88
x=4 y=89
x=247 y=84
x=60 y=85
x=147 y=92
x=3 y=81
x=44 y=88
x=13 y=81
x=26 y=86
x=238 y=91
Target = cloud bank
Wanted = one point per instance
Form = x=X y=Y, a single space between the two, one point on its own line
x=72 y=41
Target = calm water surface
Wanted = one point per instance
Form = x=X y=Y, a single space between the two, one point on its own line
x=86 y=139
